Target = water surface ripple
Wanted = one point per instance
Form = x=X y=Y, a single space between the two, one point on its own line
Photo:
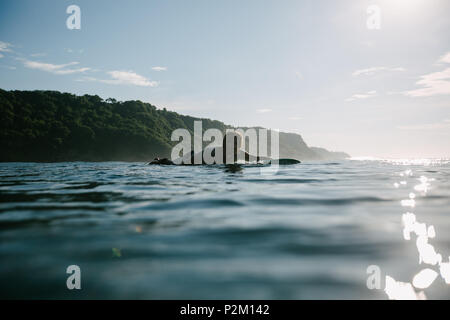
x=307 y=231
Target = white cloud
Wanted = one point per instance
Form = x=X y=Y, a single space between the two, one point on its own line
x=295 y=118
x=366 y=95
x=436 y=83
x=373 y=70
x=5 y=47
x=159 y=68
x=445 y=58
x=129 y=77
x=264 y=110
x=125 y=78
x=38 y=55
x=60 y=69
x=8 y=67
x=70 y=50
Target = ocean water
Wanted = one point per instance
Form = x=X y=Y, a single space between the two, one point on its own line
x=307 y=231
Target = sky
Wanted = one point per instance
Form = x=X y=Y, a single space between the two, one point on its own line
x=371 y=78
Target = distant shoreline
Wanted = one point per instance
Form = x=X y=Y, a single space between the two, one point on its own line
x=50 y=127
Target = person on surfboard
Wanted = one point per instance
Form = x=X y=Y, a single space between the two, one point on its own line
x=230 y=150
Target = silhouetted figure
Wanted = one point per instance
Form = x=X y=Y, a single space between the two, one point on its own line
x=229 y=153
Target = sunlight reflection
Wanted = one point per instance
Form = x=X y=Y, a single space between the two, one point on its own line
x=421 y=162
x=427 y=253
x=397 y=290
x=424 y=184
x=405 y=162
x=431 y=232
x=406 y=173
x=445 y=271
x=408 y=203
x=420 y=229
x=424 y=278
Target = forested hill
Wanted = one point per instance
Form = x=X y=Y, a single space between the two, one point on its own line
x=53 y=126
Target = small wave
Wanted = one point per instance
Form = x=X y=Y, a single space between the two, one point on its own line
x=193 y=204
x=290 y=180
x=323 y=202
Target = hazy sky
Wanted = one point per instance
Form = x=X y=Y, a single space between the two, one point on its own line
x=312 y=67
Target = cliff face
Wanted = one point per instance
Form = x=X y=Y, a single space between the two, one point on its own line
x=330 y=155
x=293 y=146
x=52 y=126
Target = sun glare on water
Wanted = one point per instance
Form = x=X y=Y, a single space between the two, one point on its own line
x=406 y=161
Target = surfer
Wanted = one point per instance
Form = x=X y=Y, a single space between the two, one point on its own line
x=229 y=153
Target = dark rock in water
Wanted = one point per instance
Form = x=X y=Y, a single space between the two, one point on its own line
x=285 y=162
x=233 y=168
x=164 y=161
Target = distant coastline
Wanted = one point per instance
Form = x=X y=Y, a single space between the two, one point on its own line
x=50 y=126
